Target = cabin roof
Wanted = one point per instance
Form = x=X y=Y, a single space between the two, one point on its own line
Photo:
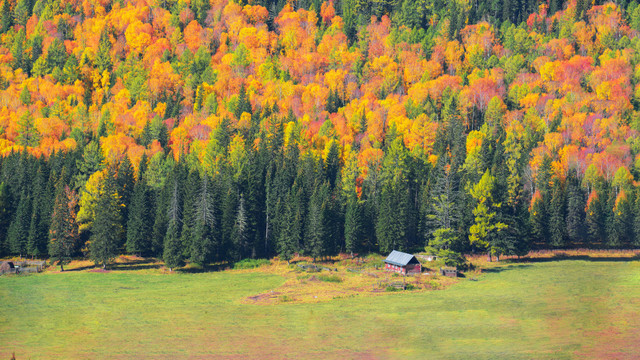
x=400 y=259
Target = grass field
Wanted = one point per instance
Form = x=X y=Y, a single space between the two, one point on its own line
x=546 y=309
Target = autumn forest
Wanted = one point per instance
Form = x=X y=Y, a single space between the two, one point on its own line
x=211 y=130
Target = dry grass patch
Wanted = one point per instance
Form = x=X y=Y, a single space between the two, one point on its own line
x=339 y=277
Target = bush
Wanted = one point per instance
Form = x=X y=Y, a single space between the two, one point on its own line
x=392 y=289
x=330 y=278
x=409 y=287
x=285 y=298
x=251 y=263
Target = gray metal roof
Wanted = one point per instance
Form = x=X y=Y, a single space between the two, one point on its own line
x=399 y=258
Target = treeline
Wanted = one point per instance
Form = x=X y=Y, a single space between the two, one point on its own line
x=268 y=196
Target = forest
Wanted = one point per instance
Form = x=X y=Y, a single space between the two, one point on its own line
x=213 y=131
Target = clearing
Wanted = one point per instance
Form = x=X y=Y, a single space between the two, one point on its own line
x=554 y=307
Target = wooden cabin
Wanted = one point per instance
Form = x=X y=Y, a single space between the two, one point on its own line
x=402 y=263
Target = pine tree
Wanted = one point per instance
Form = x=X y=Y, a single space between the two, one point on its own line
x=22 y=12
x=27 y=132
x=289 y=226
x=315 y=231
x=575 y=211
x=353 y=225
x=39 y=226
x=240 y=232
x=19 y=229
x=596 y=217
x=6 y=20
x=57 y=54
x=204 y=237
x=557 y=221
x=172 y=254
x=107 y=226
x=636 y=221
x=63 y=233
x=25 y=96
x=126 y=182
x=139 y=225
x=5 y=216
x=103 y=56
x=17 y=51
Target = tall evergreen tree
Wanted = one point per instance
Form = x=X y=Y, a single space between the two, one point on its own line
x=40 y=216
x=140 y=223
x=18 y=232
x=575 y=211
x=125 y=181
x=5 y=216
x=103 y=56
x=240 y=232
x=107 y=226
x=63 y=233
x=204 y=240
x=315 y=231
x=172 y=254
x=353 y=225
x=557 y=223
x=6 y=20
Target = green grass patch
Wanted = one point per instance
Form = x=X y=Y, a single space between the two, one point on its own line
x=546 y=310
x=251 y=263
x=330 y=278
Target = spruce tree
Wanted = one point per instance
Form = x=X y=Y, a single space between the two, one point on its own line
x=39 y=225
x=315 y=231
x=6 y=20
x=125 y=181
x=596 y=217
x=5 y=216
x=203 y=245
x=353 y=224
x=557 y=223
x=103 y=56
x=289 y=226
x=18 y=232
x=636 y=221
x=575 y=211
x=107 y=226
x=140 y=223
x=172 y=253
x=240 y=232
x=63 y=233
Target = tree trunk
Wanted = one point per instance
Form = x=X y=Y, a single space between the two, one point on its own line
x=489 y=253
x=61 y=267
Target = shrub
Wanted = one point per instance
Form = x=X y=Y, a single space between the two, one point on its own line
x=330 y=278
x=409 y=287
x=392 y=289
x=285 y=298
x=251 y=263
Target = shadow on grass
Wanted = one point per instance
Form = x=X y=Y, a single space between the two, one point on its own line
x=564 y=257
x=499 y=269
x=205 y=269
x=142 y=264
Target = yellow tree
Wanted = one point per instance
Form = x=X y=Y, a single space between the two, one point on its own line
x=486 y=228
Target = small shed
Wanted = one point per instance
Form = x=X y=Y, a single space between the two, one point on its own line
x=402 y=263
x=6 y=267
x=449 y=271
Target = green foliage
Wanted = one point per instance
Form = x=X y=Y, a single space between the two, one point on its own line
x=107 y=227
x=250 y=263
x=330 y=278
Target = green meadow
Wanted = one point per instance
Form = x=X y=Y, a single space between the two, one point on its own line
x=543 y=310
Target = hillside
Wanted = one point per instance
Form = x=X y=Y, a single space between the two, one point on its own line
x=213 y=130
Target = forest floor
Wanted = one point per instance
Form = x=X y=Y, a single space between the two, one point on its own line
x=575 y=304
